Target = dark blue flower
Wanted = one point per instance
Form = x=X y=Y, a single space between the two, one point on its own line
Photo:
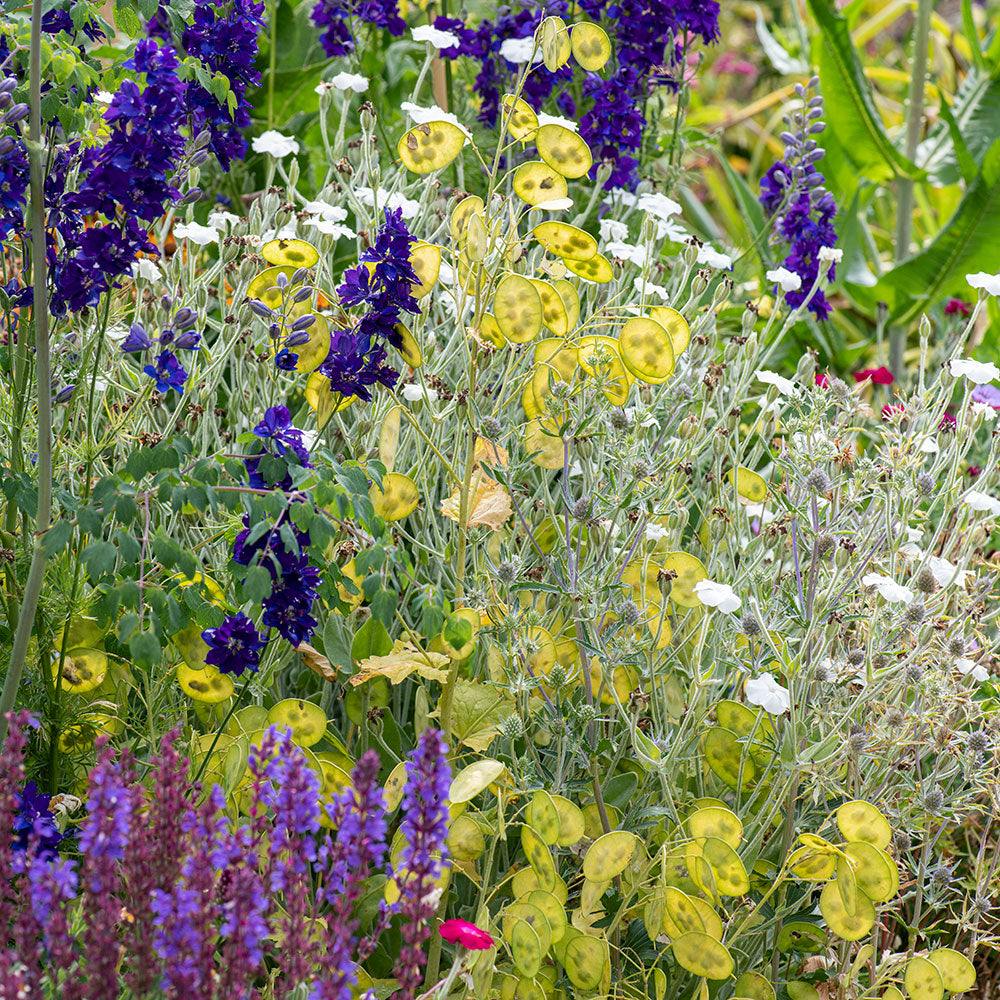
x=168 y=372
x=35 y=823
x=235 y=645
x=137 y=340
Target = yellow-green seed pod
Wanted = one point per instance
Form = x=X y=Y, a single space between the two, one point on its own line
x=597 y=268
x=565 y=241
x=609 y=856
x=517 y=308
x=306 y=720
x=646 y=350
x=430 y=146
x=702 y=955
x=923 y=980
x=563 y=150
x=290 y=253
x=535 y=182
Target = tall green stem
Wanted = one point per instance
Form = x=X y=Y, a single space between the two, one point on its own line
x=905 y=185
x=40 y=322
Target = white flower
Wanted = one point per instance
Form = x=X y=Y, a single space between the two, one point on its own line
x=985 y=411
x=544 y=119
x=146 y=269
x=334 y=229
x=718 y=595
x=789 y=280
x=612 y=229
x=219 y=219
x=979 y=372
x=712 y=257
x=658 y=205
x=103 y=97
x=982 y=502
x=554 y=205
x=929 y=446
x=987 y=282
x=626 y=251
x=386 y=200
x=415 y=392
x=946 y=572
x=967 y=667
x=766 y=692
x=439 y=39
x=196 y=233
x=784 y=385
x=332 y=213
x=344 y=81
x=655 y=531
x=275 y=144
x=518 y=50
x=433 y=114
x=830 y=255
x=621 y=197
x=672 y=231
x=647 y=288
x=894 y=593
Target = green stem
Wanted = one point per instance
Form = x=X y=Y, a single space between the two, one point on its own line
x=232 y=708
x=40 y=322
x=905 y=186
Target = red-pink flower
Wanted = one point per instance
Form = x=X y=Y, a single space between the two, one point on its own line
x=891 y=409
x=467 y=935
x=879 y=376
x=955 y=307
x=822 y=379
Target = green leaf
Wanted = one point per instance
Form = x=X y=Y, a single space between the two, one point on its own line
x=371 y=640
x=457 y=632
x=777 y=54
x=476 y=711
x=966 y=244
x=57 y=537
x=848 y=104
x=256 y=584
x=971 y=124
x=144 y=649
x=127 y=20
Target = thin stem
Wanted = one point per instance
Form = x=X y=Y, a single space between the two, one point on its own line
x=40 y=322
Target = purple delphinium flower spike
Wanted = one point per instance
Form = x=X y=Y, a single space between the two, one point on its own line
x=11 y=779
x=424 y=856
x=52 y=884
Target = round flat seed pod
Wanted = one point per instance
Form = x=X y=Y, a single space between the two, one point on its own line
x=598 y=356
x=690 y=570
x=597 y=269
x=475 y=778
x=741 y=719
x=539 y=857
x=729 y=872
x=533 y=917
x=680 y=914
x=554 y=38
x=546 y=449
x=522 y=121
x=397 y=498
x=535 y=182
x=323 y=401
x=609 y=856
x=543 y=817
x=716 y=821
x=461 y=215
x=489 y=330
x=675 y=324
x=958 y=974
x=724 y=755
x=306 y=720
x=584 y=960
x=563 y=150
x=800 y=935
x=591 y=46
x=83 y=670
x=249 y=719
x=207 y=685
x=571 y=299
x=800 y=990
x=311 y=354
x=860 y=820
x=290 y=253
x=554 y=910
x=394 y=786
x=518 y=309
x=849 y=926
x=641 y=578
x=812 y=865
x=566 y=241
x=873 y=870
x=408 y=346
x=430 y=146
x=425 y=259
x=848 y=885
x=592 y=826
x=702 y=955
x=571 y=822
x=646 y=350
x=753 y=986
x=265 y=286
x=554 y=314
x=749 y=486
x=923 y=980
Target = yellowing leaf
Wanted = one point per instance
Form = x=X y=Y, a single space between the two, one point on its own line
x=490 y=453
x=315 y=660
x=488 y=504
x=404 y=660
x=475 y=712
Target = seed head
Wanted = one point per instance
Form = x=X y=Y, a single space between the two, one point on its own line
x=492 y=427
x=749 y=625
x=915 y=613
x=925 y=581
x=628 y=612
x=956 y=645
x=818 y=481
x=926 y=483
x=933 y=800
x=856 y=657
x=856 y=742
x=913 y=673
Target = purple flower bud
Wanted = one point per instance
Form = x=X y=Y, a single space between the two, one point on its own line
x=166 y=336
x=817 y=127
x=202 y=139
x=303 y=322
x=791 y=141
x=191 y=197
x=282 y=280
x=6 y=146
x=188 y=341
x=260 y=309
x=137 y=340
x=198 y=158
x=8 y=85
x=65 y=394
x=16 y=114
x=185 y=317
x=300 y=275
x=303 y=293
x=5 y=100
x=297 y=338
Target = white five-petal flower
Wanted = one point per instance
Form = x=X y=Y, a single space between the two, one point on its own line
x=784 y=385
x=989 y=283
x=982 y=502
x=655 y=531
x=830 y=255
x=415 y=393
x=518 y=50
x=789 y=280
x=894 y=593
x=438 y=38
x=146 y=269
x=720 y=596
x=768 y=694
x=275 y=144
x=980 y=372
x=712 y=257
x=196 y=233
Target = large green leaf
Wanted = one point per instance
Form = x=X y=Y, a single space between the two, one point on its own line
x=967 y=243
x=849 y=107
x=976 y=111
